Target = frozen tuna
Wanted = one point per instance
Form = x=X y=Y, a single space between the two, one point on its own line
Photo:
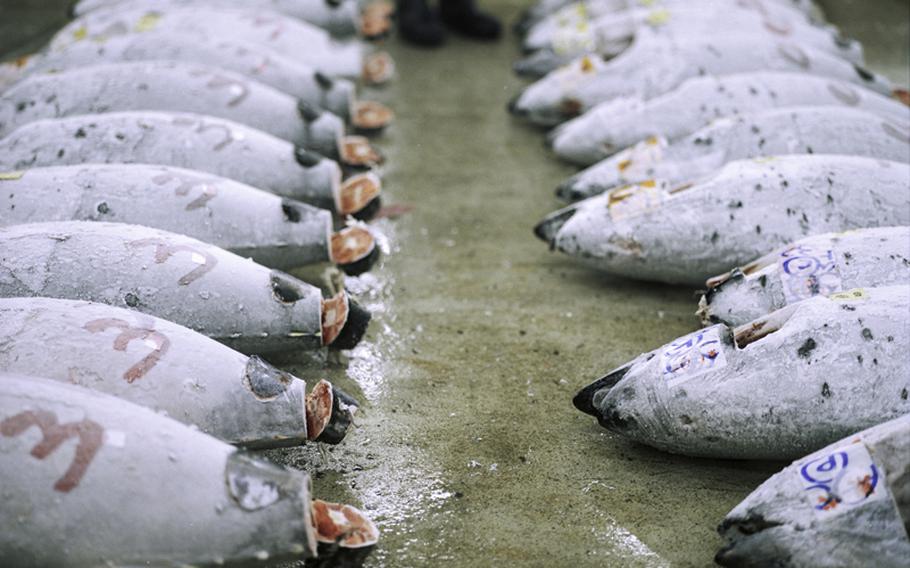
x=293 y=38
x=792 y=130
x=775 y=388
x=818 y=265
x=170 y=369
x=845 y=505
x=339 y=18
x=170 y=86
x=625 y=121
x=686 y=234
x=248 y=59
x=89 y=478
x=609 y=35
x=653 y=66
x=192 y=141
x=228 y=298
x=273 y=231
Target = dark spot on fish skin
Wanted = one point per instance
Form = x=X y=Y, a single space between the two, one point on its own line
x=20 y=106
x=753 y=91
x=80 y=133
x=291 y=213
x=864 y=74
x=103 y=208
x=758 y=187
x=714 y=237
x=131 y=300
x=784 y=183
x=867 y=334
x=790 y=212
x=830 y=181
x=889 y=339
x=703 y=141
x=875 y=361
x=809 y=150
x=763 y=280
x=848 y=307
x=60 y=153
x=904 y=394
x=755 y=129
x=806 y=348
x=859 y=359
x=848 y=255
x=120 y=136
x=830 y=199
x=761 y=143
x=736 y=204
x=758 y=229
x=50 y=99
x=826 y=390
x=142 y=87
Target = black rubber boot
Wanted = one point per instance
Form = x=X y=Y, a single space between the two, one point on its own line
x=418 y=24
x=462 y=16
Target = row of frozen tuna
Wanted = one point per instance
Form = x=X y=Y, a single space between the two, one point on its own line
x=160 y=162
x=707 y=149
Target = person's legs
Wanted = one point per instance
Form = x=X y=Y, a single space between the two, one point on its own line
x=418 y=23
x=462 y=16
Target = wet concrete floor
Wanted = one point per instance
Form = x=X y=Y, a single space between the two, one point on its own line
x=467 y=451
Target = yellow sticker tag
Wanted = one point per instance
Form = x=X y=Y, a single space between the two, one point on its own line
x=853 y=295
x=586 y=65
x=658 y=17
x=764 y=159
x=148 y=22
x=80 y=33
x=11 y=176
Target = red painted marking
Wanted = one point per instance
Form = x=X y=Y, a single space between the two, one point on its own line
x=89 y=432
x=164 y=251
x=129 y=333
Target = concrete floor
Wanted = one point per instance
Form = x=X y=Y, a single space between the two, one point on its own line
x=467 y=451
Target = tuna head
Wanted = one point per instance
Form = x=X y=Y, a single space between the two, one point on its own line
x=551 y=100
x=601 y=132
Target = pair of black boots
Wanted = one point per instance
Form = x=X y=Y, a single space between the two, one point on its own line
x=421 y=25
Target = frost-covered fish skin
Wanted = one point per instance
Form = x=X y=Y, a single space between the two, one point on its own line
x=626 y=121
x=774 y=132
x=191 y=141
x=775 y=388
x=817 y=265
x=234 y=300
x=298 y=40
x=654 y=66
x=163 y=366
x=80 y=467
x=170 y=86
x=686 y=234
x=248 y=59
x=845 y=505
x=609 y=35
x=339 y=18
x=273 y=231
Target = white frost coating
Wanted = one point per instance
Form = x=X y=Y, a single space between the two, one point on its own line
x=338 y=18
x=783 y=520
x=276 y=232
x=609 y=35
x=192 y=141
x=818 y=265
x=207 y=289
x=792 y=382
x=171 y=476
x=254 y=62
x=775 y=132
x=293 y=38
x=653 y=66
x=687 y=235
x=153 y=363
x=169 y=86
x=625 y=121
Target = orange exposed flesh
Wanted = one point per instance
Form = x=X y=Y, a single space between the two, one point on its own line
x=318 y=409
x=378 y=68
x=343 y=524
x=370 y=115
x=357 y=192
x=357 y=151
x=351 y=244
x=334 y=316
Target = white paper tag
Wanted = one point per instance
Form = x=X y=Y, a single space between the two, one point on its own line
x=692 y=355
x=807 y=271
x=841 y=480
